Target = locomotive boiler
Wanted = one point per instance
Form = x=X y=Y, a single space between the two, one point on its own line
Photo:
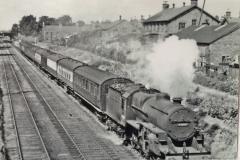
x=177 y=121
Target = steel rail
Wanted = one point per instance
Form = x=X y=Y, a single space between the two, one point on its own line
x=30 y=112
x=20 y=155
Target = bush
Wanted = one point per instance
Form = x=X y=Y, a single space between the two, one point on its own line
x=196 y=101
x=219 y=82
x=212 y=130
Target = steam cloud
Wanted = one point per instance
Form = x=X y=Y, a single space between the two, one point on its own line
x=167 y=67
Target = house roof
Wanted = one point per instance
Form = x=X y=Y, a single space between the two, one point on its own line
x=208 y=34
x=170 y=14
x=62 y=29
x=112 y=25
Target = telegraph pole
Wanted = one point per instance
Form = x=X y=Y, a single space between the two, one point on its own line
x=201 y=13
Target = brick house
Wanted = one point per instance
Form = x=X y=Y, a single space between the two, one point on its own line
x=52 y=33
x=121 y=28
x=56 y=32
x=218 y=44
x=172 y=20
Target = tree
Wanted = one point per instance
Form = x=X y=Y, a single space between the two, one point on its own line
x=46 y=20
x=64 y=20
x=14 y=29
x=80 y=23
x=28 y=25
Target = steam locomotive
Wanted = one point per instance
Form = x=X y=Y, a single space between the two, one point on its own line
x=147 y=118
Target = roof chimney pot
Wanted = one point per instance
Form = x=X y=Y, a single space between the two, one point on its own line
x=194 y=2
x=184 y=4
x=165 y=5
x=228 y=14
x=173 y=5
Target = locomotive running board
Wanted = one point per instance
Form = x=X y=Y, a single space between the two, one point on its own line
x=190 y=154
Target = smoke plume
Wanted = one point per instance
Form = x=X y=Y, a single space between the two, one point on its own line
x=167 y=67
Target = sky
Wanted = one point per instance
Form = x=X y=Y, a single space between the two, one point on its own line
x=11 y=11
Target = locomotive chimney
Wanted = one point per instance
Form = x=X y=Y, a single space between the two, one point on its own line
x=177 y=100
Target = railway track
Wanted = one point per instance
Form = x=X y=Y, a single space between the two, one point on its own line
x=30 y=145
x=77 y=136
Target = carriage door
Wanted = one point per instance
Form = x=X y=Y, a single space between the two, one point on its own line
x=123 y=109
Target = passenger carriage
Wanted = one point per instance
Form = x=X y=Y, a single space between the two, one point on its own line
x=52 y=63
x=65 y=72
x=93 y=84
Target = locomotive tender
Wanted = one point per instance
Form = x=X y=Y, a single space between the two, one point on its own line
x=156 y=126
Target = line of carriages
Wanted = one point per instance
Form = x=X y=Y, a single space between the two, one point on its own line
x=79 y=78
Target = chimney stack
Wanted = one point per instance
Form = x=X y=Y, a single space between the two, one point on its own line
x=120 y=17
x=173 y=5
x=194 y=2
x=228 y=14
x=177 y=100
x=184 y=4
x=165 y=5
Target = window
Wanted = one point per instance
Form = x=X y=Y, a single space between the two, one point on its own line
x=181 y=25
x=194 y=22
x=207 y=21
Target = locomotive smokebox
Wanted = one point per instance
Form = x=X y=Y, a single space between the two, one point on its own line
x=177 y=100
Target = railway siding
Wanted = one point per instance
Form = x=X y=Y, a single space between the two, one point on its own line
x=29 y=140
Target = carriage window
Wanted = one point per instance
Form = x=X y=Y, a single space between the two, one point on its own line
x=87 y=84
x=83 y=85
x=82 y=82
x=92 y=88
x=79 y=80
x=96 y=90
